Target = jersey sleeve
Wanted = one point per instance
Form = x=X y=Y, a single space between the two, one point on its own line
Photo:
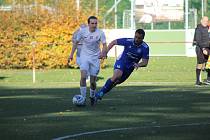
x=146 y=53
x=122 y=42
x=79 y=35
x=103 y=38
x=74 y=36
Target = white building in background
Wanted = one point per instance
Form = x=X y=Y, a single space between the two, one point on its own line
x=147 y=11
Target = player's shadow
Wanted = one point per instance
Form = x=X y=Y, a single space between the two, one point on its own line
x=108 y=66
x=99 y=78
x=144 y=108
x=2 y=77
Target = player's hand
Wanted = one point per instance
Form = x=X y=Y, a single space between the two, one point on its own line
x=136 y=65
x=103 y=55
x=205 y=51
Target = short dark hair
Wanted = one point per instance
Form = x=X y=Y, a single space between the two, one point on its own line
x=141 y=32
x=91 y=17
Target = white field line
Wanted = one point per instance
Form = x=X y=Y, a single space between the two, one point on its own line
x=128 y=128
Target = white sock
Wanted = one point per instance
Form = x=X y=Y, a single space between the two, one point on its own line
x=92 y=93
x=83 y=91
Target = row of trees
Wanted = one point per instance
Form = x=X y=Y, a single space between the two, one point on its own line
x=51 y=24
x=50 y=27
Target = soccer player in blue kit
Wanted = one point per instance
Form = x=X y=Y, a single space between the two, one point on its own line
x=135 y=55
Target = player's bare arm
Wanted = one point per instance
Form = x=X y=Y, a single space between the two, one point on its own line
x=114 y=42
x=106 y=49
x=72 y=52
x=142 y=63
x=103 y=54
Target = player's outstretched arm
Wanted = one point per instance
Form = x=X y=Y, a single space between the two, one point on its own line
x=106 y=49
x=142 y=63
x=114 y=42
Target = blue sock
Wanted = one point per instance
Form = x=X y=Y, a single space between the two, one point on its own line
x=106 y=88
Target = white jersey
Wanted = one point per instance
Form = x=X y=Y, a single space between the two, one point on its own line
x=91 y=41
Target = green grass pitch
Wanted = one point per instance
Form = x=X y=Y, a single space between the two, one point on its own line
x=175 y=46
x=159 y=102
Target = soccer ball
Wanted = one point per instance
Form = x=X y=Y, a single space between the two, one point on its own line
x=78 y=100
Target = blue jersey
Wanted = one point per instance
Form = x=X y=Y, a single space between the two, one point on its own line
x=131 y=54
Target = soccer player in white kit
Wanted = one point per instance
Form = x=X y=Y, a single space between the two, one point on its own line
x=90 y=55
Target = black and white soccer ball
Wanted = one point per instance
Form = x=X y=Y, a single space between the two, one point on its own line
x=78 y=100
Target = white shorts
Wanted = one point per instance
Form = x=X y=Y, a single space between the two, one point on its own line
x=78 y=63
x=90 y=64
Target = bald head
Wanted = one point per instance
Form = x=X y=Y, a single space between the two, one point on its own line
x=204 y=21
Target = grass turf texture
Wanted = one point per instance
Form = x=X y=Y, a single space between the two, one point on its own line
x=166 y=49
x=167 y=97
x=160 y=69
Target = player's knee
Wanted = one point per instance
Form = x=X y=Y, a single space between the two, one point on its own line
x=116 y=79
x=83 y=75
x=117 y=75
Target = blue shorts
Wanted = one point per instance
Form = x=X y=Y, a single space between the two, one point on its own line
x=125 y=69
